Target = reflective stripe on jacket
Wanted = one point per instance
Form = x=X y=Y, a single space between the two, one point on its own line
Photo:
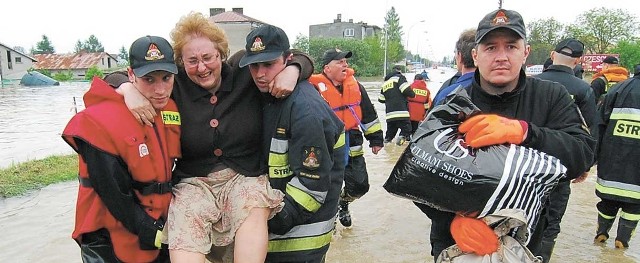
x=619 y=143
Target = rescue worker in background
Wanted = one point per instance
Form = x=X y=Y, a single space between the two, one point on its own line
x=464 y=63
x=394 y=93
x=566 y=55
x=419 y=104
x=516 y=109
x=610 y=74
x=350 y=102
x=125 y=166
x=618 y=184
x=305 y=143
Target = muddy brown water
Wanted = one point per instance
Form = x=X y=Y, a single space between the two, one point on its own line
x=37 y=227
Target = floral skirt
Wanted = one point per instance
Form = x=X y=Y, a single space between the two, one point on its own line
x=206 y=212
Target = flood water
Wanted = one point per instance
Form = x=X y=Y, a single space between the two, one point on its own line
x=32 y=119
x=37 y=227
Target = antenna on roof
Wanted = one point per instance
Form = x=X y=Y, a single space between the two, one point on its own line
x=500 y=4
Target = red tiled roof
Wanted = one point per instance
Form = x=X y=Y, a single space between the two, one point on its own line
x=232 y=17
x=81 y=60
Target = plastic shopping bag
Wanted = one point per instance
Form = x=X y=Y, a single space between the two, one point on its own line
x=438 y=169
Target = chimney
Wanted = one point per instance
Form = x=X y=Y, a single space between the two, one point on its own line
x=215 y=11
x=238 y=10
x=339 y=19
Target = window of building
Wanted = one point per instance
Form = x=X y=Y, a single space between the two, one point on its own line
x=18 y=60
x=349 y=32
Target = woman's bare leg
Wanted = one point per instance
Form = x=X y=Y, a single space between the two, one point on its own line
x=180 y=256
x=252 y=237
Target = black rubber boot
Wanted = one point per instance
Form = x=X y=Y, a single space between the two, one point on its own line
x=625 y=231
x=604 y=225
x=343 y=214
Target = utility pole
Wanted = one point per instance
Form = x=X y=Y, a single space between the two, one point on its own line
x=500 y=4
x=384 y=70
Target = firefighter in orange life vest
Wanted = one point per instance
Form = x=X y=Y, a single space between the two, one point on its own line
x=125 y=166
x=349 y=100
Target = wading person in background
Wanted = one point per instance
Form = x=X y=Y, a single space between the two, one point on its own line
x=223 y=199
x=304 y=144
x=125 y=167
x=464 y=63
x=618 y=184
x=515 y=109
x=566 y=55
x=394 y=93
x=610 y=75
x=419 y=104
x=350 y=102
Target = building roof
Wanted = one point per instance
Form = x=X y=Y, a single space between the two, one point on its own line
x=82 y=60
x=233 y=17
x=7 y=47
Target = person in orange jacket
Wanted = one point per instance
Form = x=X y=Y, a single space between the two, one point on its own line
x=125 y=167
x=419 y=104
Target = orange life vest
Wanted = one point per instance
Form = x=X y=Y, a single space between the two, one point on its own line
x=346 y=105
x=149 y=152
x=419 y=103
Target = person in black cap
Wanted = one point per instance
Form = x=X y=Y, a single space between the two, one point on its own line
x=610 y=74
x=223 y=198
x=394 y=93
x=304 y=142
x=350 y=102
x=515 y=109
x=618 y=184
x=125 y=176
x=566 y=55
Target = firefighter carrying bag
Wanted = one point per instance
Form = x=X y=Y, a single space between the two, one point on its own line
x=438 y=169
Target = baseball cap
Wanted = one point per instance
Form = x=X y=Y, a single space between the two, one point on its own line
x=264 y=43
x=610 y=60
x=151 y=53
x=576 y=48
x=334 y=54
x=501 y=18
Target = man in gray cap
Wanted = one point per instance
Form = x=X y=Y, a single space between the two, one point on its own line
x=350 y=102
x=516 y=109
x=566 y=55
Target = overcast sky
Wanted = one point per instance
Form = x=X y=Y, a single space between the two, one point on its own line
x=117 y=23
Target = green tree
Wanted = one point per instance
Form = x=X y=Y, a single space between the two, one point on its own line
x=43 y=46
x=124 y=54
x=63 y=75
x=301 y=43
x=395 y=49
x=542 y=36
x=629 y=51
x=93 y=71
x=91 y=45
x=601 y=28
x=79 y=47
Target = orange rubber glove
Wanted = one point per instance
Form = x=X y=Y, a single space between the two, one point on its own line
x=490 y=129
x=473 y=235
